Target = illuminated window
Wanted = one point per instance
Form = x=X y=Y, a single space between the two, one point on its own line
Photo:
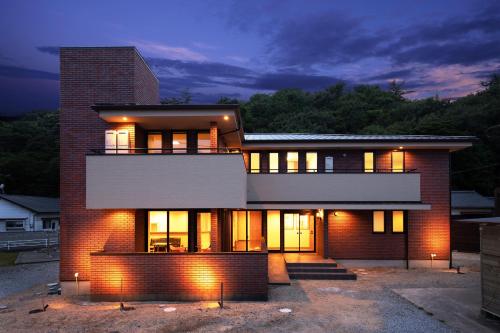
x=204 y=226
x=292 y=162
x=254 y=162
x=273 y=230
x=311 y=162
x=167 y=231
x=369 y=162
x=154 y=143
x=179 y=143
x=378 y=221
x=398 y=221
x=397 y=161
x=273 y=162
x=246 y=230
x=203 y=142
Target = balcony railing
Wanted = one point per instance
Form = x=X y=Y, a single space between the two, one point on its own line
x=164 y=151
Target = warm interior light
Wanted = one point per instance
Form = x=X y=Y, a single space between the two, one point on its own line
x=400 y=147
x=124 y=118
x=175 y=142
x=226 y=117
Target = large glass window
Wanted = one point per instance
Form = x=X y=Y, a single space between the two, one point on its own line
x=273 y=230
x=378 y=221
x=369 y=162
x=203 y=142
x=246 y=230
x=203 y=231
x=292 y=162
x=398 y=221
x=311 y=162
x=154 y=143
x=254 y=162
x=179 y=143
x=397 y=161
x=168 y=231
x=14 y=225
x=274 y=162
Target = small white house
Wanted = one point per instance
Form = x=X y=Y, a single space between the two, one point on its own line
x=28 y=213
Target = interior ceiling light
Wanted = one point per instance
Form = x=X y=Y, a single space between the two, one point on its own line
x=124 y=118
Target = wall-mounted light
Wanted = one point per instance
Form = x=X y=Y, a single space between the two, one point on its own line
x=124 y=118
x=226 y=117
x=400 y=147
x=335 y=213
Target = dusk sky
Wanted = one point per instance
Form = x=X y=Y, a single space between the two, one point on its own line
x=238 y=48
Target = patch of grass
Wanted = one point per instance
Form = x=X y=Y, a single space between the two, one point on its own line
x=7 y=258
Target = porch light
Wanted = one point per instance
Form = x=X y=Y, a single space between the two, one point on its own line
x=400 y=147
x=124 y=118
x=226 y=117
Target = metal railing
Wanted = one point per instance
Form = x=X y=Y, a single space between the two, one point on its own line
x=164 y=151
x=13 y=244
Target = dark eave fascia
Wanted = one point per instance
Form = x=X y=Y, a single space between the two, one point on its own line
x=164 y=107
x=470 y=139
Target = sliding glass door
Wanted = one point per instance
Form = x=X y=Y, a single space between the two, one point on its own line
x=298 y=232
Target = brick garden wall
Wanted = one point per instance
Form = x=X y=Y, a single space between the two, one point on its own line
x=90 y=76
x=179 y=276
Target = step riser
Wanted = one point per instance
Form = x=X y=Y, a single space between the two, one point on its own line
x=298 y=264
x=322 y=277
x=315 y=270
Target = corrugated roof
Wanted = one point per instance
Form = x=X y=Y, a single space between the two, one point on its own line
x=36 y=204
x=470 y=199
x=301 y=137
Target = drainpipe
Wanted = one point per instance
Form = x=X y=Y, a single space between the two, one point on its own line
x=325 y=233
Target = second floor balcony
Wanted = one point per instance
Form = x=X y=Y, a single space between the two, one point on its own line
x=135 y=178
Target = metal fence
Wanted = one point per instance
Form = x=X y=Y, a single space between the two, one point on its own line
x=28 y=243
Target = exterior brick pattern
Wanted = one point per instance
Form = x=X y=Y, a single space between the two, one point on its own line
x=178 y=276
x=350 y=236
x=429 y=231
x=90 y=76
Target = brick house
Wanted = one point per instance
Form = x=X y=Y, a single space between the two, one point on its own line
x=168 y=201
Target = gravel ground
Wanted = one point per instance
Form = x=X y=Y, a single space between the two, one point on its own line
x=14 y=279
x=366 y=305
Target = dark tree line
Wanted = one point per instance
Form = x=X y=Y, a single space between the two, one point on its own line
x=29 y=146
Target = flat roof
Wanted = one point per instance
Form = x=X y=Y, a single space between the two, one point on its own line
x=163 y=107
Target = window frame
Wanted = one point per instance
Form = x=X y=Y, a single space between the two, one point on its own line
x=392 y=161
x=167 y=234
x=147 y=141
x=312 y=170
x=374 y=167
x=384 y=222
x=205 y=150
x=250 y=166
x=298 y=162
x=177 y=150
x=404 y=222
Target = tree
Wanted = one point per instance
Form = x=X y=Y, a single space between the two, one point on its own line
x=184 y=98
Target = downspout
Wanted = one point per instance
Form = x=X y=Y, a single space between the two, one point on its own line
x=449 y=213
x=406 y=239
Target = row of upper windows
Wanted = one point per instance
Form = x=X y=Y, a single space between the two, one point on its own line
x=311 y=162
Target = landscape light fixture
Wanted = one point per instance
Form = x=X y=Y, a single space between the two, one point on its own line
x=433 y=255
x=77 y=288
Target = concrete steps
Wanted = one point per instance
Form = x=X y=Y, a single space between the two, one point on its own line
x=319 y=271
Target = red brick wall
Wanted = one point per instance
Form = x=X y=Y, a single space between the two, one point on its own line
x=350 y=236
x=429 y=231
x=179 y=276
x=89 y=76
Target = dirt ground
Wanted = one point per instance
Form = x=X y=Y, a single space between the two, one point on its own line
x=366 y=305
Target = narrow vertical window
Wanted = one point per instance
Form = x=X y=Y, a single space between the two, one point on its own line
x=369 y=162
x=203 y=230
x=254 y=162
x=398 y=221
x=179 y=143
x=378 y=221
x=154 y=143
x=397 y=161
x=292 y=162
x=273 y=162
x=122 y=141
x=311 y=162
x=328 y=164
x=203 y=142
x=110 y=142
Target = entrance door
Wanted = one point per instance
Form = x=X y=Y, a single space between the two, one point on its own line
x=298 y=232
